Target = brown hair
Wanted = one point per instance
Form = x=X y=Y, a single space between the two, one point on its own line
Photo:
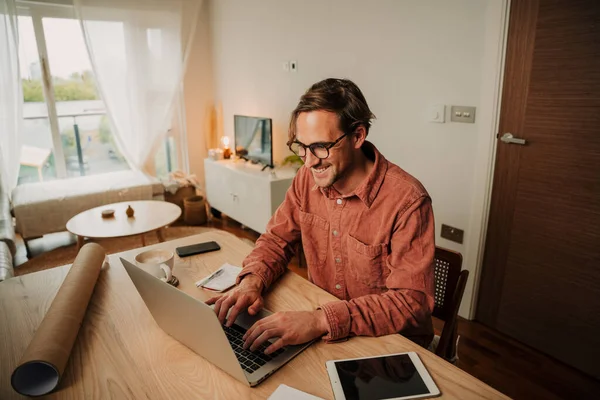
x=339 y=96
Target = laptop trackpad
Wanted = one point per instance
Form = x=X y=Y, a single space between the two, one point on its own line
x=246 y=320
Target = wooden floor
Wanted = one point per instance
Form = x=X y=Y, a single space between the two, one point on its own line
x=505 y=364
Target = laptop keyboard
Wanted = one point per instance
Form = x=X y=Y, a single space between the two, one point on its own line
x=249 y=360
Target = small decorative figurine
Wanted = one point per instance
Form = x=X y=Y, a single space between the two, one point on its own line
x=129 y=212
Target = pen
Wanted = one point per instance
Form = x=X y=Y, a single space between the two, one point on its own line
x=211 y=277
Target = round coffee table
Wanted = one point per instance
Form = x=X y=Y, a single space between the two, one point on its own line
x=150 y=215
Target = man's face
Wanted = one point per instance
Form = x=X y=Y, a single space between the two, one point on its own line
x=323 y=127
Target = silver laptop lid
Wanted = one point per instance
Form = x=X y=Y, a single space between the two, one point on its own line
x=188 y=320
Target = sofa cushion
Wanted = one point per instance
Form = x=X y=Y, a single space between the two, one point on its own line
x=46 y=207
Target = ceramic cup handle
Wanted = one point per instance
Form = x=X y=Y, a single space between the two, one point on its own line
x=167 y=272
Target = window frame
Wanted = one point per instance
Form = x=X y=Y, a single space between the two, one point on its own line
x=64 y=9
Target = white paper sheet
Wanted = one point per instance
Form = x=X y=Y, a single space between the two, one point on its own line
x=220 y=281
x=285 y=392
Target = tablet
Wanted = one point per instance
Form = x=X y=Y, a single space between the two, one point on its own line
x=393 y=376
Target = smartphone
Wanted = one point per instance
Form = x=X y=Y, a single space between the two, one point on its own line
x=197 y=248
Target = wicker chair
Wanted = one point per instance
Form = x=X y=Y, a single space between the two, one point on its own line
x=450 y=284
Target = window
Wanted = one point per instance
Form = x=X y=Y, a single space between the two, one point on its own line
x=66 y=130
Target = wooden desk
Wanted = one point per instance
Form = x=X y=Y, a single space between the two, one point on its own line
x=121 y=353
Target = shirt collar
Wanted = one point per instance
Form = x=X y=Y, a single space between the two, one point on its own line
x=368 y=189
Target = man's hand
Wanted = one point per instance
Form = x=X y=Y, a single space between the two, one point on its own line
x=292 y=327
x=247 y=295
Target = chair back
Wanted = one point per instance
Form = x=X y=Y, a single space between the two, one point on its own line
x=450 y=284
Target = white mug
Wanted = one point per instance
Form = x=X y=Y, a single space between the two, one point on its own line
x=158 y=263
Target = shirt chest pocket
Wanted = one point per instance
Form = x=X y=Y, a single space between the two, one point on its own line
x=315 y=238
x=367 y=262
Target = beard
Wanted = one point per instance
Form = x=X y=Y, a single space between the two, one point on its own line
x=325 y=175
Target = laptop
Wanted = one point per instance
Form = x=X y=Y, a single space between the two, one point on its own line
x=195 y=324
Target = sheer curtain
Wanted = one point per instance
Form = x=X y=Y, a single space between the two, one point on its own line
x=11 y=98
x=138 y=50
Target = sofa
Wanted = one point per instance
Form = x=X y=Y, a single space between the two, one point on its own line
x=41 y=208
x=7 y=237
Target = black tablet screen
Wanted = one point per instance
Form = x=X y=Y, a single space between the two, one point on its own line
x=380 y=378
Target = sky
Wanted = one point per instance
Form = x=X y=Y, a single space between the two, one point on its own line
x=66 y=48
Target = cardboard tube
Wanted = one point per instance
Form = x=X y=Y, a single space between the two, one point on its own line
x=44 y=361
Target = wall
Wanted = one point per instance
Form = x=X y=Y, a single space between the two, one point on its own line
x=405 y=56
x=198 y=94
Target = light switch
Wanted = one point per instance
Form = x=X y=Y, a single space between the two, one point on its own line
x=462 y=114
x=437 y=113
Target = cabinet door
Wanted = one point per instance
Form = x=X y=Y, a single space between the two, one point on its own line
x=219 y=187
x=253 y=201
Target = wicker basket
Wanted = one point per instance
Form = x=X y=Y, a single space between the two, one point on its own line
x=194 y=210
x=177 y=198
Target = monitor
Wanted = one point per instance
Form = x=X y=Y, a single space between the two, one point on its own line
x=254 y=139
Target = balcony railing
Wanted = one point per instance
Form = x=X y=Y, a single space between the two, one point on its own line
x=86 y=140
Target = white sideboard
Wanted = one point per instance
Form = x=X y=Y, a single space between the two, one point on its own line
x=245 y=193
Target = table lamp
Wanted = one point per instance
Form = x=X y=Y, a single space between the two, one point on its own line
x=226 y=149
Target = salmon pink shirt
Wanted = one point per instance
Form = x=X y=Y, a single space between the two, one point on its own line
x=372 y=249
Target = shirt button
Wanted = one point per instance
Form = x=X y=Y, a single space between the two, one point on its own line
x=338 y=260
x=335 y=233
x=339 y=201
x=338 y=286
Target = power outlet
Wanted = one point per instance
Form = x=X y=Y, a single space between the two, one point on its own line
x=453 y=234
x=294 y=66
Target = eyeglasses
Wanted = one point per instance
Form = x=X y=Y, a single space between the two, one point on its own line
x=319 y=150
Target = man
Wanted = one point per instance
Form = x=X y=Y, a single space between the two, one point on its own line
x=366 y=228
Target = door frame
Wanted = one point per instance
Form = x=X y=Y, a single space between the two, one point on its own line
x=495 y=41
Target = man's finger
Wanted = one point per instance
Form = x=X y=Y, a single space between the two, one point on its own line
x=218 y=305
x=256 y=306
x=212 y=300
x=235 y=311
x=255 y=331
x=249 y=332
x=266 y=335
x=257 y=324
x=225 y=306
x=279 y=343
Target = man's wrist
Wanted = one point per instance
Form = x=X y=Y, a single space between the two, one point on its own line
x=253 y=281
x=322 y=323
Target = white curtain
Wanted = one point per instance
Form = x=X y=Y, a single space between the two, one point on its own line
x=11 y=98
x=138 y=50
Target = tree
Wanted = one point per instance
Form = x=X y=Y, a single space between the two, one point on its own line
x=69 y=91
x=32 y=91
x=79 y=86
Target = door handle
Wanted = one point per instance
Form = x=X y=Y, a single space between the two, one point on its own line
x=509 y=138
